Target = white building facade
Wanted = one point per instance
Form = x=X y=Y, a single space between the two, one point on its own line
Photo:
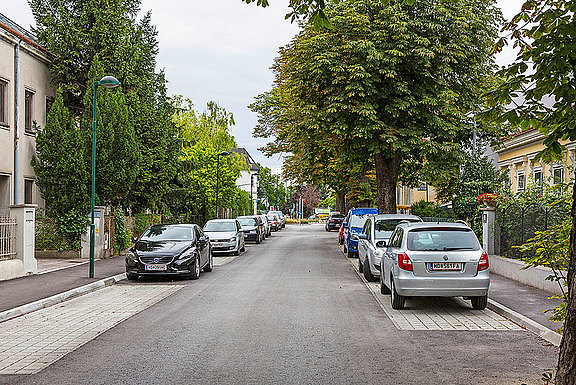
x=25 y=97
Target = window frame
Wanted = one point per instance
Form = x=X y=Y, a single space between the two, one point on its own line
x=28 y=191
x=562 y=176
x=4 y=103
x=520 y=175
x=29 y=97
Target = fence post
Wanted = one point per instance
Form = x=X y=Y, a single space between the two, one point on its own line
x=489 y=229
x=25 y=215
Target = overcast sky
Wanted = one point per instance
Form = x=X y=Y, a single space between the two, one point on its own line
x=222 y=50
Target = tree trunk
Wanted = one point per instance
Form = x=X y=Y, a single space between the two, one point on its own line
x=566 y=374
x=341 y=201
x=387 y=170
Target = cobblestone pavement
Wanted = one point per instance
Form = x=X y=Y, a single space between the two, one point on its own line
x=437 y=313
x=30 y=343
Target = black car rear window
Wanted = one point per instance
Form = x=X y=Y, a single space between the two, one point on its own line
x=168 y=233
x=442 y=239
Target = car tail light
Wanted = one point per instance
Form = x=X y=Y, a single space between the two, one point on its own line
x=404 y=262
x=483 y=262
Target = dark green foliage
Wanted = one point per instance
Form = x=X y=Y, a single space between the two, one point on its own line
x=479 y=176
x=136 y=137
x=62 y=176
x=122 y=235
x=427 y=209
x=271 y=191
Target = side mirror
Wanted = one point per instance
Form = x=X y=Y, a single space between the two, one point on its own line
x=362 y=236
x=345 y=225
x=134 y=239
x=381 y=244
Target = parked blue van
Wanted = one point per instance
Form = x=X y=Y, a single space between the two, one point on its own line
x=353 y=225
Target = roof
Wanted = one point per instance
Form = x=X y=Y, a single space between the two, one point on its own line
x=362 y=211
x=252 y=165
x=21 y=33
x=424 y=225
x=398 y=216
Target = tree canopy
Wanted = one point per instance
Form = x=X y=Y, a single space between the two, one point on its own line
x=388 y=85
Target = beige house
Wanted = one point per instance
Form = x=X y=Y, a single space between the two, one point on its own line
x=518 y=156
x=25 y=96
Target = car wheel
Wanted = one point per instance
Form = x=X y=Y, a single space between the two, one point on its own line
x=243 y=249
x=340 y=241
x=383 y=288
x=237 y=252
x=345 y=249
x=210 y=265
x=258 y=239
x=131 y=276
x=479 y=303
x=351 y=254
x=398 y=301
x=196 y=273
x=360 y=265
x=367 y=273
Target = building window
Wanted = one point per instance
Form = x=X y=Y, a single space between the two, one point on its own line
x=28 y=188
x=521 y=182
x=538 y=177
x=3 y=98
x=558 y=175
x=28 y=112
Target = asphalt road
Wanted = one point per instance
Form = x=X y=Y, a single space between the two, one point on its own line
x=291 y=310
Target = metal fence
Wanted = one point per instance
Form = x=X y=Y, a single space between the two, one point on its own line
x=7 y=238
x=517 y=224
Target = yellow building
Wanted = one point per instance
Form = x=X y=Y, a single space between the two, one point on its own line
x=406 y=196
x=518 y=156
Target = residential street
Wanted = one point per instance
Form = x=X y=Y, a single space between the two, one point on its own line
x=291 y=310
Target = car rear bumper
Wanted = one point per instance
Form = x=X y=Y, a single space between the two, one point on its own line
x=409 y=285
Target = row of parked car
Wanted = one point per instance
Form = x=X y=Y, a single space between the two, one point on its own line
x=187 y=249
x=412 y=258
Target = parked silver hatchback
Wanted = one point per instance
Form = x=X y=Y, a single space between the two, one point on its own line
x=434 y=259
x=372 y=241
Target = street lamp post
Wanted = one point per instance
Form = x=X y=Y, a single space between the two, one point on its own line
x=223 y=153
x=106 y=82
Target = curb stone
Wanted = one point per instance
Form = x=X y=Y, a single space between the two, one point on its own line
x=59 y=298
x=531 y=325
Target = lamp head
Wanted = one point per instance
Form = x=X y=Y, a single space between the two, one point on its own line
x=109 y=82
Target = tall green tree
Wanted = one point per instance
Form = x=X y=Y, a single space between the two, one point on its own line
x=388 y=84
x=203 y=136
x=92 y=38
x=60 y=167
x=539 y=91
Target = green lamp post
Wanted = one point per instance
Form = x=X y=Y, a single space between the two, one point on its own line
x=106 y=82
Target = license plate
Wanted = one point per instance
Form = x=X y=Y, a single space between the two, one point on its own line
x=445 y=266
x=155 y=267
x=217 y=244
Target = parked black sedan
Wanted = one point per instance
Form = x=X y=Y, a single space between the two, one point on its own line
x=253 y=227
x=175 y=250
x=334 y=221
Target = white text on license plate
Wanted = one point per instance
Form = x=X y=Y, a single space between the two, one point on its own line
x=445 y=266
x=155 y=267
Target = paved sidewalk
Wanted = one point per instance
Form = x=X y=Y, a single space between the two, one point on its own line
x=526 y=300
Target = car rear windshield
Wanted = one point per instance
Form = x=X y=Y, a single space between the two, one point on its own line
x=337 y=216
x=220 y=226
x=357 y=220
x=383 y=228
x=247 y=221
x=442 y=239
x=168 y=233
